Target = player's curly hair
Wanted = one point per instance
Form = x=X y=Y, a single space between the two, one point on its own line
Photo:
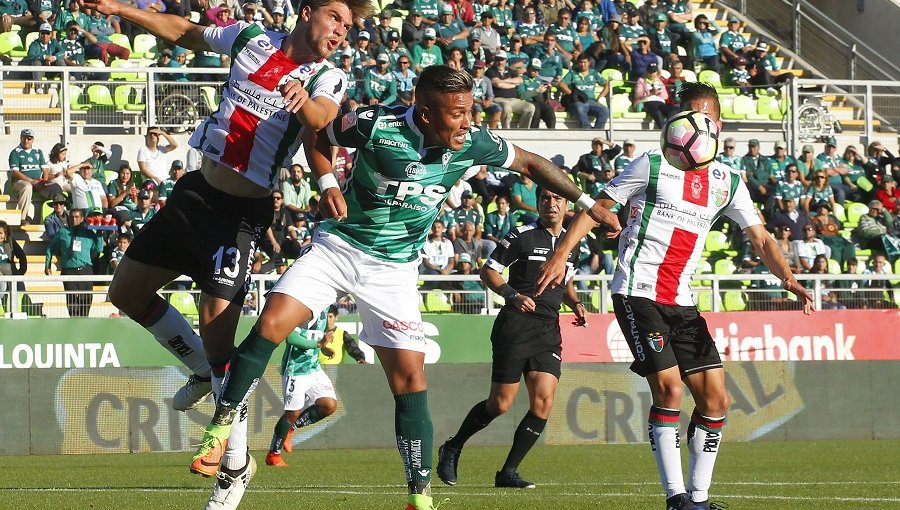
x=442 y=79
x=358 y=8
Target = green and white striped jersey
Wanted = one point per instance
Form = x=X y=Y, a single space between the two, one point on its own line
x=398 y=183
x=297 y=360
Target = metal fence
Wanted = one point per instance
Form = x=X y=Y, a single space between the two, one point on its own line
x=35 y=296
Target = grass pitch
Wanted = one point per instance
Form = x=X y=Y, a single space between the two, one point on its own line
x=761 y=475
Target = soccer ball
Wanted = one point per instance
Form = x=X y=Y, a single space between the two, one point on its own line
x=690 y=140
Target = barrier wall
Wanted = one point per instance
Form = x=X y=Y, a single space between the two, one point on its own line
x=103 y=385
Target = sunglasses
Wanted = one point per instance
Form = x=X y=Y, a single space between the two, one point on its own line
x=820 y=177
x=729 y=147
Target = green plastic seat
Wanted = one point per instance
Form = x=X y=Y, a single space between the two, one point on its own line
x=98 y=95
x=120 y=40
x=184 y=303
x=11 y=44
x=734 y=301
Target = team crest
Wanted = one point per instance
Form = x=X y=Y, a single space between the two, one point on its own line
x=445 y=159
x=634 y=213
x=655 y=341
x=720 y=196
x=696 y=186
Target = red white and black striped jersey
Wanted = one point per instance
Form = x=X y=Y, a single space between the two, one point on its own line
x=251 y=131
x=669 y=214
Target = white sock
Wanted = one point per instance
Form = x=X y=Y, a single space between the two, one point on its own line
x=174 y=333
x=704 y=440
x=663 y=428
x=236 y=450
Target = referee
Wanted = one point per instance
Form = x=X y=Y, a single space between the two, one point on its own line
x=526 y=340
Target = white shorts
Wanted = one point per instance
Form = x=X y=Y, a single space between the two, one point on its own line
x=385 y=292
x=302 y=391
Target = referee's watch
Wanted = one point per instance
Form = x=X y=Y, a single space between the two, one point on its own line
x=511 y=297
x=509 y=294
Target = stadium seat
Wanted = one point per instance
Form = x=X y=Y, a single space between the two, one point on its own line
x=716 y=241
x=144 y=47
x=734 y=301
x=746 y=106
x=98 y=95
x=834 y=267
x=704 y=300
x=128 y=98
x=703 y=267
x=437 y=302
x=724 y=266
x=184 y=303
x=195 y=17
x=291 y=22
x=11 y=44
x=76 y=96
x=621 y=108
x=122 y=75
x=613 y=76
x=839 y=212
x=30 y=38
x=727 y=107
x=94 y=62
x=769 y=106
x=690 y=76
x=120 y=40
x=209 y=96
x=855 y=211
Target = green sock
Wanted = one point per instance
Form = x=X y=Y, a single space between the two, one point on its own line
x=281 y=429
x=415 y=439
x=310 y=416
x=246 y=367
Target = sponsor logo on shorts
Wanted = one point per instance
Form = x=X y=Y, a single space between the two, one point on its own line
x=633 y=331
x=655 y=341
x=403 y=326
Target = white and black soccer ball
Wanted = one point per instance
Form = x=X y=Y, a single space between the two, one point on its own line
x=690 y=140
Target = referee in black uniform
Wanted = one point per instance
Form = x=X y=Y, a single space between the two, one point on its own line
x=526 y=339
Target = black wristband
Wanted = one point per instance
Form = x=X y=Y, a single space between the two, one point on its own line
x=577 y=303
x=508 y=293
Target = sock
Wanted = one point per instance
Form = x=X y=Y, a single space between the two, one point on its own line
x=663 y=427
x=477 y=419
x=704 y=439
x=233 y=472
x=175 y=335
x=309 y=416
x=527 y=433
x=246 y=367
x=281 y=429
x=235 y=457
x=415 y=436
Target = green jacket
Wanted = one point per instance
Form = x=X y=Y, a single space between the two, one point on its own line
x=74 y=246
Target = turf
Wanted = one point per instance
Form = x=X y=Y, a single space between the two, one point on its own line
x=760 y=475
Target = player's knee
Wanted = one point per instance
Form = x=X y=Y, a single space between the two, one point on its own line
x=327 y=406
x=668 y=394
x=499 y=405
x=542 y=406
x=714 y=406
x=273 y=327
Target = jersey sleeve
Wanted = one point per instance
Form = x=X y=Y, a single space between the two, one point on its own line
x=489 y=149
x=331 y=84
x=222 y=39
x=741 y=208
x=353 y=129
x=631 y=181
x=506 y=253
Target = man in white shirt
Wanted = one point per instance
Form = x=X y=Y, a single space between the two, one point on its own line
x=152 y=156
x=87 y=192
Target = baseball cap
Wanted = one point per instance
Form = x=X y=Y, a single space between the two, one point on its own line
x=466 y=194
x=385 y=14
x=830 y=141
x=487 y=14
x=346 y=53
x=57 y=198
x=808 y=148
x=876 y=204
x=26 y=132
x=298 y=215
x=821 y=203
x=383 y=57
x=177 y=164
x=536 y=63
x=653 y=66
x=500 y=54
x=475 y=36
x=277 y=10
x=447 y=9
x=515 y=37
x=145 y=193
x=394 y=35
x=753 y=142
x=94 y=210
x=616 y=18
x=430 y=33
x=464 y=257
x=888 y=178
x=733 y=19
x=363 y=35
x=415 y=12
x=45 y=27
x=660 y=17
x=781 y=144
x=479 y=64
x=762 y=46
x=166 y=52
x=628 y=141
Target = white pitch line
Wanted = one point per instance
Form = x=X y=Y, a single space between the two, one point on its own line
x=528 y=493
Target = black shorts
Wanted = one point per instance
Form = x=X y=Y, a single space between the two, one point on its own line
x=206 y=234
x=663 y=336
x=523 y=344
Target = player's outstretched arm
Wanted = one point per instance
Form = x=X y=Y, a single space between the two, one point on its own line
x=771 y=255
x=319 y=156
x=554 y=178
x=174 y=29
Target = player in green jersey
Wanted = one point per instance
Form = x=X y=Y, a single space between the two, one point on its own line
x=308 y=392
x=407 y=160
